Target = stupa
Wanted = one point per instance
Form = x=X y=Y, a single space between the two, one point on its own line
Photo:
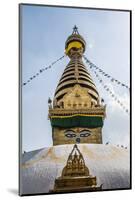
x=76 y=114
x=78 y=159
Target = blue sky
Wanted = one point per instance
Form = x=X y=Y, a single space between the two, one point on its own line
x=44 y=32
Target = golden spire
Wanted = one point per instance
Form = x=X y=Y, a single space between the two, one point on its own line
x=75 y=72
x=75 y=44
x=75 y=30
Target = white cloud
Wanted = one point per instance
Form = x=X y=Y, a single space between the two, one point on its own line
x=90 y=45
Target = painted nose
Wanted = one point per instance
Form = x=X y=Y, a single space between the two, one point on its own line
x=78 y=140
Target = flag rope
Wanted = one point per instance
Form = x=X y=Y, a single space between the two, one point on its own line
x=41 y=71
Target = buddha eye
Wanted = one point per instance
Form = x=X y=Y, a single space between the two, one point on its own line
x=85 y=133
x=70 y=134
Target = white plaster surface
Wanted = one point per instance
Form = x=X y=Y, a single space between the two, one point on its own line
x=109 y=163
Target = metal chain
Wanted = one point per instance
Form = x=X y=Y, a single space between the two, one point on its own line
x=42 y=70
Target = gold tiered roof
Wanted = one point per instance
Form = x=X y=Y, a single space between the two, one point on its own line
x=75 y=164
x=75 y=175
